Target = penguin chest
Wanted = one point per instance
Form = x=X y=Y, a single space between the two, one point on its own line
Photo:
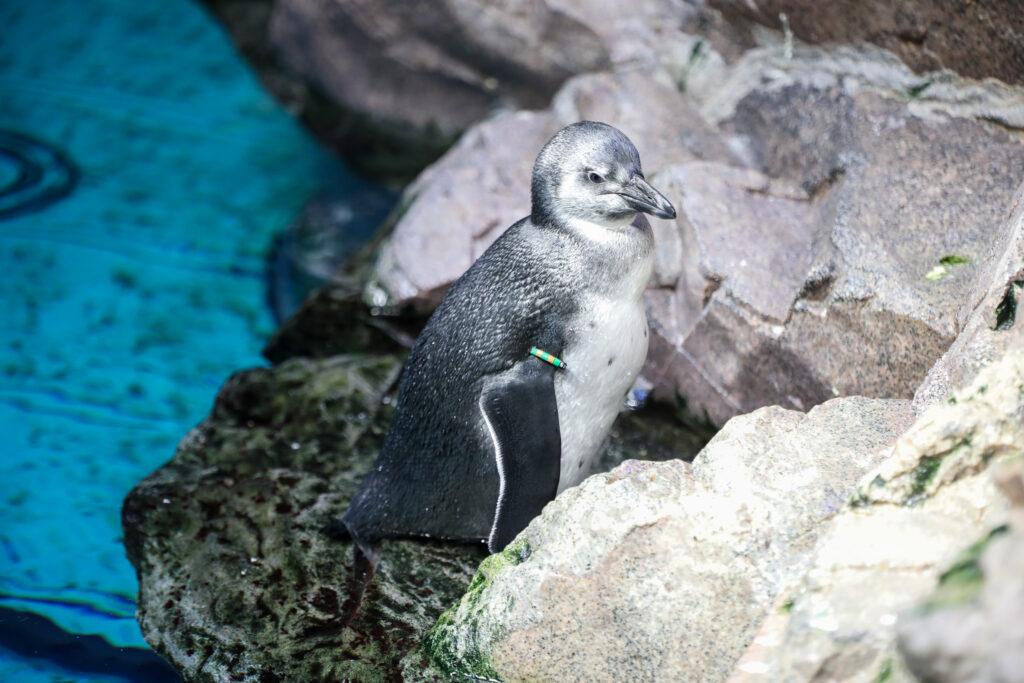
x=605 y=350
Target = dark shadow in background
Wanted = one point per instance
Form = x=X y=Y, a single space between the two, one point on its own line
x=35 y=637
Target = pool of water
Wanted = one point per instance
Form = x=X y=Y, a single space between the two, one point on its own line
x=143 y=175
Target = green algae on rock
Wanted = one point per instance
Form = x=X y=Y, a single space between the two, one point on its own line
x=446 y=643
x=953 y=439
x=240 y=573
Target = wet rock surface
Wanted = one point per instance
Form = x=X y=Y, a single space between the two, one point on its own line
x=242 y=574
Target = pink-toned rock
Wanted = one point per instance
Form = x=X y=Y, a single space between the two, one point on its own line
x=457 y=207
x=980 y=38
x=990 y=317
x=849 y=280
x=646 y=105
x=441 y=65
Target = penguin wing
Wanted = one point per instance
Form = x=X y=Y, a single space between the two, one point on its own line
x=521 y=416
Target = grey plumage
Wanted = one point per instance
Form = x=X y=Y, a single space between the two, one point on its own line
x=484 y=434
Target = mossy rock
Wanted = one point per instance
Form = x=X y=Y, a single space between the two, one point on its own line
x=242 y=572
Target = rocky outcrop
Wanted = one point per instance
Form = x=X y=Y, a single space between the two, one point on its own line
x=970 y=629
x=241 y=573
x=664 y=571
x=444 y=68
x=907 y=523
x=978 y=39
x=670 y=571
x=813 y=254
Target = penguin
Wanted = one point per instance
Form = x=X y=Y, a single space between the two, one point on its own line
x=512 y=386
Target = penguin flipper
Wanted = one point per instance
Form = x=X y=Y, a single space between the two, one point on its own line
x=521 y=415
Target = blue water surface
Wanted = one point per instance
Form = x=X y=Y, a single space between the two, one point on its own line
x=127 y=302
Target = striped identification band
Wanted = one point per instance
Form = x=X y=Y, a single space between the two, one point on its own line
x=548 y=358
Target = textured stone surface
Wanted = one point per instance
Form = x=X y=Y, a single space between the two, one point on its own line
x=442 y=66
x=908 y=521
x=978 y=39
x=664 y=571
x=844 y=273
x=989 y=314
x=457 y=207
x=970 y=629
x=646 y=105
x=238 y=576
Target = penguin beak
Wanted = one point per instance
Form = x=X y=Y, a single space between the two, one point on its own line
x=642 y=197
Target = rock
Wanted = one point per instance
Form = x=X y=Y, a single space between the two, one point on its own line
x=314 y=247
x=634 y=33
x=456 y=208
x=978 y=39
x=646 y=105
x=988 y=315
x=970 y=628
x=332 y=321
x=442 y=68
x=909 y=519
x=833 y=272
x=662 y=570
x=239 y=577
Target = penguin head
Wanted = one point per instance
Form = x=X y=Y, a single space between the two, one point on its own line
x=589 y=173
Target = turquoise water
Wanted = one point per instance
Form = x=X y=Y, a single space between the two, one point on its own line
x=127 y=302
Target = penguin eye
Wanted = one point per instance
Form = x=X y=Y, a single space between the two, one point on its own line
x=595 y=177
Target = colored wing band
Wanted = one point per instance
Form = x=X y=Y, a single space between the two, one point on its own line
x=548 y=358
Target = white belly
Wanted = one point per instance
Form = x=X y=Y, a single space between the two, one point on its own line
x=606 y=349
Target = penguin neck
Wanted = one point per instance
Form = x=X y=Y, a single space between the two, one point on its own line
x=601 y=232
x=622 y=252
x=597 y=229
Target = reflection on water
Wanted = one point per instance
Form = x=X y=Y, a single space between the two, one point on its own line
x=143 y=174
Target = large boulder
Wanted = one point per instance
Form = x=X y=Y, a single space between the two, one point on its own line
x=442 y=67
x=978 y=39
x=906 y=526
x=755 y=562
x=664 y=571
x=970 y=628
x=242 y=575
